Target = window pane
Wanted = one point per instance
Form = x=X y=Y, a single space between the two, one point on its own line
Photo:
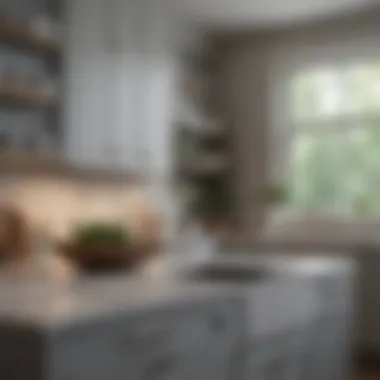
x=327 y=93
x=316 y=166
x=316 y=94
x=338 y=171
x=362 y=88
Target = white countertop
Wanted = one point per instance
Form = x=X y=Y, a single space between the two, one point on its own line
x=52 y=305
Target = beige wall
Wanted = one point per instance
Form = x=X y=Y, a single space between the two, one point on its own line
x=255 y=68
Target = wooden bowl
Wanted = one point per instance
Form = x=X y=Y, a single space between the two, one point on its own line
x=105 y=258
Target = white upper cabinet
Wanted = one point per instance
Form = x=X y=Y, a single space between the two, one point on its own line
x=123 y=79
x=120 y=85
x=85 y=59
x=160 y=71
x=101 y=83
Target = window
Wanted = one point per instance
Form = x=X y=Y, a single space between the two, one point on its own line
x=335 y=117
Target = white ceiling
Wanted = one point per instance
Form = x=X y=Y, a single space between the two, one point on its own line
x=266 y=13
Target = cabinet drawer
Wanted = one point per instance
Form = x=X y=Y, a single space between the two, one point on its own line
x=276 y=365
x=327 y=356
x=170 y=365
x=335 y=293
x=127 y=344
x=270 y=357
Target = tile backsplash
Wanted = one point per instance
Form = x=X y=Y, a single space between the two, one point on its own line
x=54 y=206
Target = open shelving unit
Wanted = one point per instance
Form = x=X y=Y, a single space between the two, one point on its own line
x=22 y=98
x=202 y=145
x=30 y=75
x=21 y=38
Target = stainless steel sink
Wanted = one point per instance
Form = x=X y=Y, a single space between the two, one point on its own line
x=235 y=274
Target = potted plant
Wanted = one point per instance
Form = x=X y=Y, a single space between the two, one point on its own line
x=215 y=205
x=275 y=193
x=275 y=196
x=100 y=246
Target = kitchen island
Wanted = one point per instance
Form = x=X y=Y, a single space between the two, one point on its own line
x=179 y=327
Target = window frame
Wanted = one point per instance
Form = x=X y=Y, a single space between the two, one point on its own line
x=314 y=126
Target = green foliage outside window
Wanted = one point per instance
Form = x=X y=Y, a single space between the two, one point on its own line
x=336 y=144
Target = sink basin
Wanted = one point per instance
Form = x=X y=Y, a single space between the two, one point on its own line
x=235 y=274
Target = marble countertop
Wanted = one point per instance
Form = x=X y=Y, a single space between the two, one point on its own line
x=52 y=306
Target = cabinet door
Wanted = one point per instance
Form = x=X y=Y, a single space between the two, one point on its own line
x=277 y=357
x=284 y=366
x=327 y=356
x=139 y=82
x=85 y=116
x=122 y=18
x=158 y=73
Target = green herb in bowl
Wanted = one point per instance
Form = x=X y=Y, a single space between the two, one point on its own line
x=101 y=234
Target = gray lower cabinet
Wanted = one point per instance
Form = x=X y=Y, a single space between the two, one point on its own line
x=328 y=353
x=272 y=357
x=180 y=342
x=212 y=338
x=281 y=367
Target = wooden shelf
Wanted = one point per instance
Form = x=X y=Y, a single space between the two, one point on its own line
x=213 y=128
x=10 y=97
x=17 y=161
x=205 y=165
x=207 y=130
x=22 y=38
x=35 y=164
